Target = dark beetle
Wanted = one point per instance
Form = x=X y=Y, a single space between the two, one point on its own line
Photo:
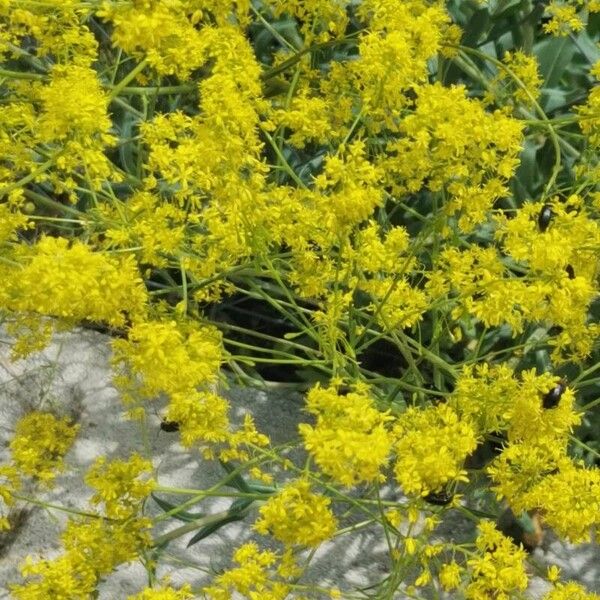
x=544 y=217
x=169 y=426
x=570 y=271
x=442 y=498
x=552 y=398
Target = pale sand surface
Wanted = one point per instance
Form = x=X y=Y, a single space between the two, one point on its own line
x=73 y=375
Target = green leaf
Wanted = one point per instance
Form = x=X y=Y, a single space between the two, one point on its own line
x=180 y=515
x=206 y=531
x=476 y=26
x=237 y=512
x=554 y=56
x=552 y=100
x=503 y=8
x=587 y=48
x=237 y=482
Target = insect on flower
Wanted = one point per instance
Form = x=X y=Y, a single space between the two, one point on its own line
x=442 y=498
x=169 y=426
x=544 y=217
x=552 y=398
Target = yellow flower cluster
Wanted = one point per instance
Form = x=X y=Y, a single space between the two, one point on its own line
x=258 y=575
x=73 y=104
x=167 y=34
x=59 y=28
x=320 y=20
x=431 y=448
x=589 y=121
x=146 y=222
x=569 y=501
x=73 y=282
x=164 y=593
x=181 y=360
x=567 y=15
x=9 y=483
x=494 y=399
x=95 y=546
x=498 y=570
x=393 y=54
x=11 y=219
x=119 y=485
x=449 y=140
x=518 y=83
x=167 y=357
x=559 y=266
x=570 y=591
x=92 y=550
x=384 y=265
x=62 y=137
x=296 y=515
x=40 y=443
x=350 y=441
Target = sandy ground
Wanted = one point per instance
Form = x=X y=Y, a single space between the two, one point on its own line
x=73 y=376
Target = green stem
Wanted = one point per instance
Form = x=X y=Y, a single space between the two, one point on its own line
x=156 y=91
x=284 y=163
x=64 y=509
x=28 y=178
x=584 y=445
x=52 y=204
x=117 y=89
x=192 y=526
x=21 y=75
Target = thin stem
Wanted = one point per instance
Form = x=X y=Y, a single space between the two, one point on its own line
x=21 y=75
x=52 y=204
x=156 y=91
x=117 y=89
x=72 y=511
x=28 y=178
x=284 y=163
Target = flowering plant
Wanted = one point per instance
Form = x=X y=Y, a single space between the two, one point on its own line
x=389 y=207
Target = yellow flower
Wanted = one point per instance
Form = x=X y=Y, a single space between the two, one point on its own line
x=9 y=482
x=164 y=593
x=431 y=448
x=254 y=577
x=564 y=19
x=499 y=568
x=350 y=441
x=119 y=485
x=69 y=280
x=40 y=443
x=295 y=515
x=168 y=357
x=570 y=591
x=553 y=573
x=450 y=576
